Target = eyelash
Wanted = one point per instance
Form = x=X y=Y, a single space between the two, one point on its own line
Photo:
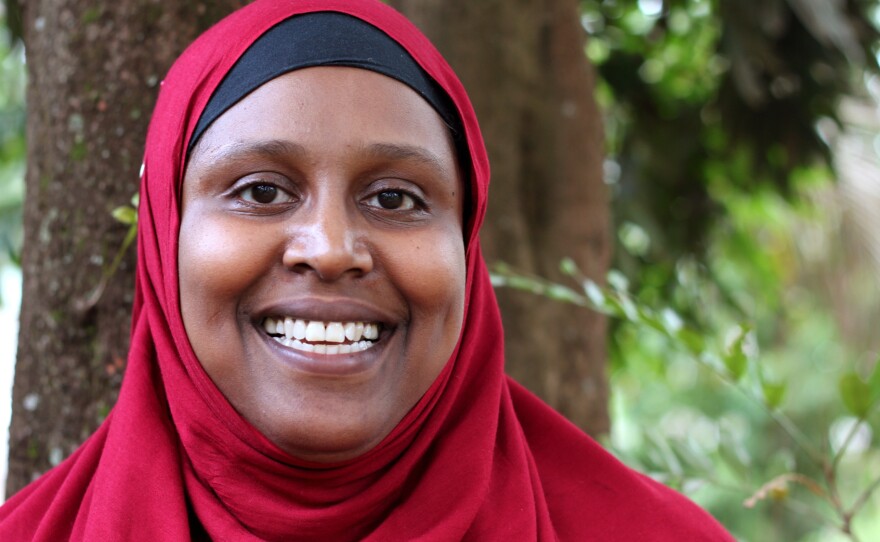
x=280 y=192
x=238 y=193
x=418 y=204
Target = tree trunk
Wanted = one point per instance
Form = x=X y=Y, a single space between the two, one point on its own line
x=93 y=75
x=524 y=66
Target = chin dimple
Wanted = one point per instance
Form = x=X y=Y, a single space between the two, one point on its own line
x=322 y=337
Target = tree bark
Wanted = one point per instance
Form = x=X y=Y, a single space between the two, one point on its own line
x=524 y=66
x=93 y=75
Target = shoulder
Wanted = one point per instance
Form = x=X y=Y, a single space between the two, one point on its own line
x=627 y=505
x=592 y=495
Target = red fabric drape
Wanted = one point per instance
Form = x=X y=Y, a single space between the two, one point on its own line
x=478 y=458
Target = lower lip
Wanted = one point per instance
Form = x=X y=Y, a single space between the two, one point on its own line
x=339 y=365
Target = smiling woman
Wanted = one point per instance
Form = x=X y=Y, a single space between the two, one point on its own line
x=316 y=350
x=332 y=265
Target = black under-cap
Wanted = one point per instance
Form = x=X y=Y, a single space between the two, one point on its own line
x=323 y=39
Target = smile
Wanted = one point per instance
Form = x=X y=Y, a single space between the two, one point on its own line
x=331 y=338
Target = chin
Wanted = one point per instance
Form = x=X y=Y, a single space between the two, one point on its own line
x=329 y=440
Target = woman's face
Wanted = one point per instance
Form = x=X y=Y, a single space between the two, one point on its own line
x=322 y=267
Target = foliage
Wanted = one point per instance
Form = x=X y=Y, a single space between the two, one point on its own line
x=752 y=388
x=774 y=455
x=12 y=143
x=127 y=215
x=701 y=92
x=727 y=219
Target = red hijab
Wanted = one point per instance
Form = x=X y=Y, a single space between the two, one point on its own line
x=477 y=458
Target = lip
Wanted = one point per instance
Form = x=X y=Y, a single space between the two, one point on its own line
x=328 y=309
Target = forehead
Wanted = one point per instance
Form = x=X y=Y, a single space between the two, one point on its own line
x=341 y=106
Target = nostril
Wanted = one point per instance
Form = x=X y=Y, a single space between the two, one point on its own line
x=300 y=268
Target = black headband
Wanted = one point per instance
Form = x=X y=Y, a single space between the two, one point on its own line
x=323 y=39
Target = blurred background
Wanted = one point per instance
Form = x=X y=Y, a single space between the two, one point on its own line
x=743 y=145
x=12 y=167
x=742 y=162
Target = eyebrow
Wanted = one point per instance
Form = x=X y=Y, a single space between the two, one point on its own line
x=413 y=153
x=280 y=149
x=271 y=148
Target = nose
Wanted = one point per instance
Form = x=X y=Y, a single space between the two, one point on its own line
x=324 y=239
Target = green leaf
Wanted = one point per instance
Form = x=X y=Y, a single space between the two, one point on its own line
x=692 y=340
x=502 y=267
x=125 y=214
x=735 y=359
x=874 y=381
x=649 y=318
x=497 y=280
x=527 y=284
x=634 y=239
x=12 y=253
x=672 y=322
x=618 y=280
x=614 y=307
x=855 y=394
x=736 y=363
x=595 y=293
x=773 y=392
x=568 y=267
x=562 y=293
x=664 y=455
x=693 y=457
x=630 y=311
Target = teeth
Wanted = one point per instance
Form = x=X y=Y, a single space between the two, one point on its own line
x=315 y=332
x=305 y=347
x=330 y=349
x=299 y=330
x=350 y=337
x=335 y=333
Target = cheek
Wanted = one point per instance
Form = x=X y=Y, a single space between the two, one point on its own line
x=218 y=263
x=431 y=275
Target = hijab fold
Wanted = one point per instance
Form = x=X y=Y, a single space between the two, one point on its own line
x=477 y=458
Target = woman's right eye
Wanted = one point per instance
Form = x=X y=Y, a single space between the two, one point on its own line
x=265 y=194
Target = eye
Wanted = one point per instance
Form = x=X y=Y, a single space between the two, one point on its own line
x=264 y=194
x=393 y=200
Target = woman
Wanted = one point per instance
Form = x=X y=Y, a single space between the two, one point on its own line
x=316 y=348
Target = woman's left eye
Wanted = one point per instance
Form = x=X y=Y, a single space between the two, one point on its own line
x=264 y=194
x=393 y=200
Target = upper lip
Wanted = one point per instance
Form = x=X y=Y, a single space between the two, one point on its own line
x=327 y=309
